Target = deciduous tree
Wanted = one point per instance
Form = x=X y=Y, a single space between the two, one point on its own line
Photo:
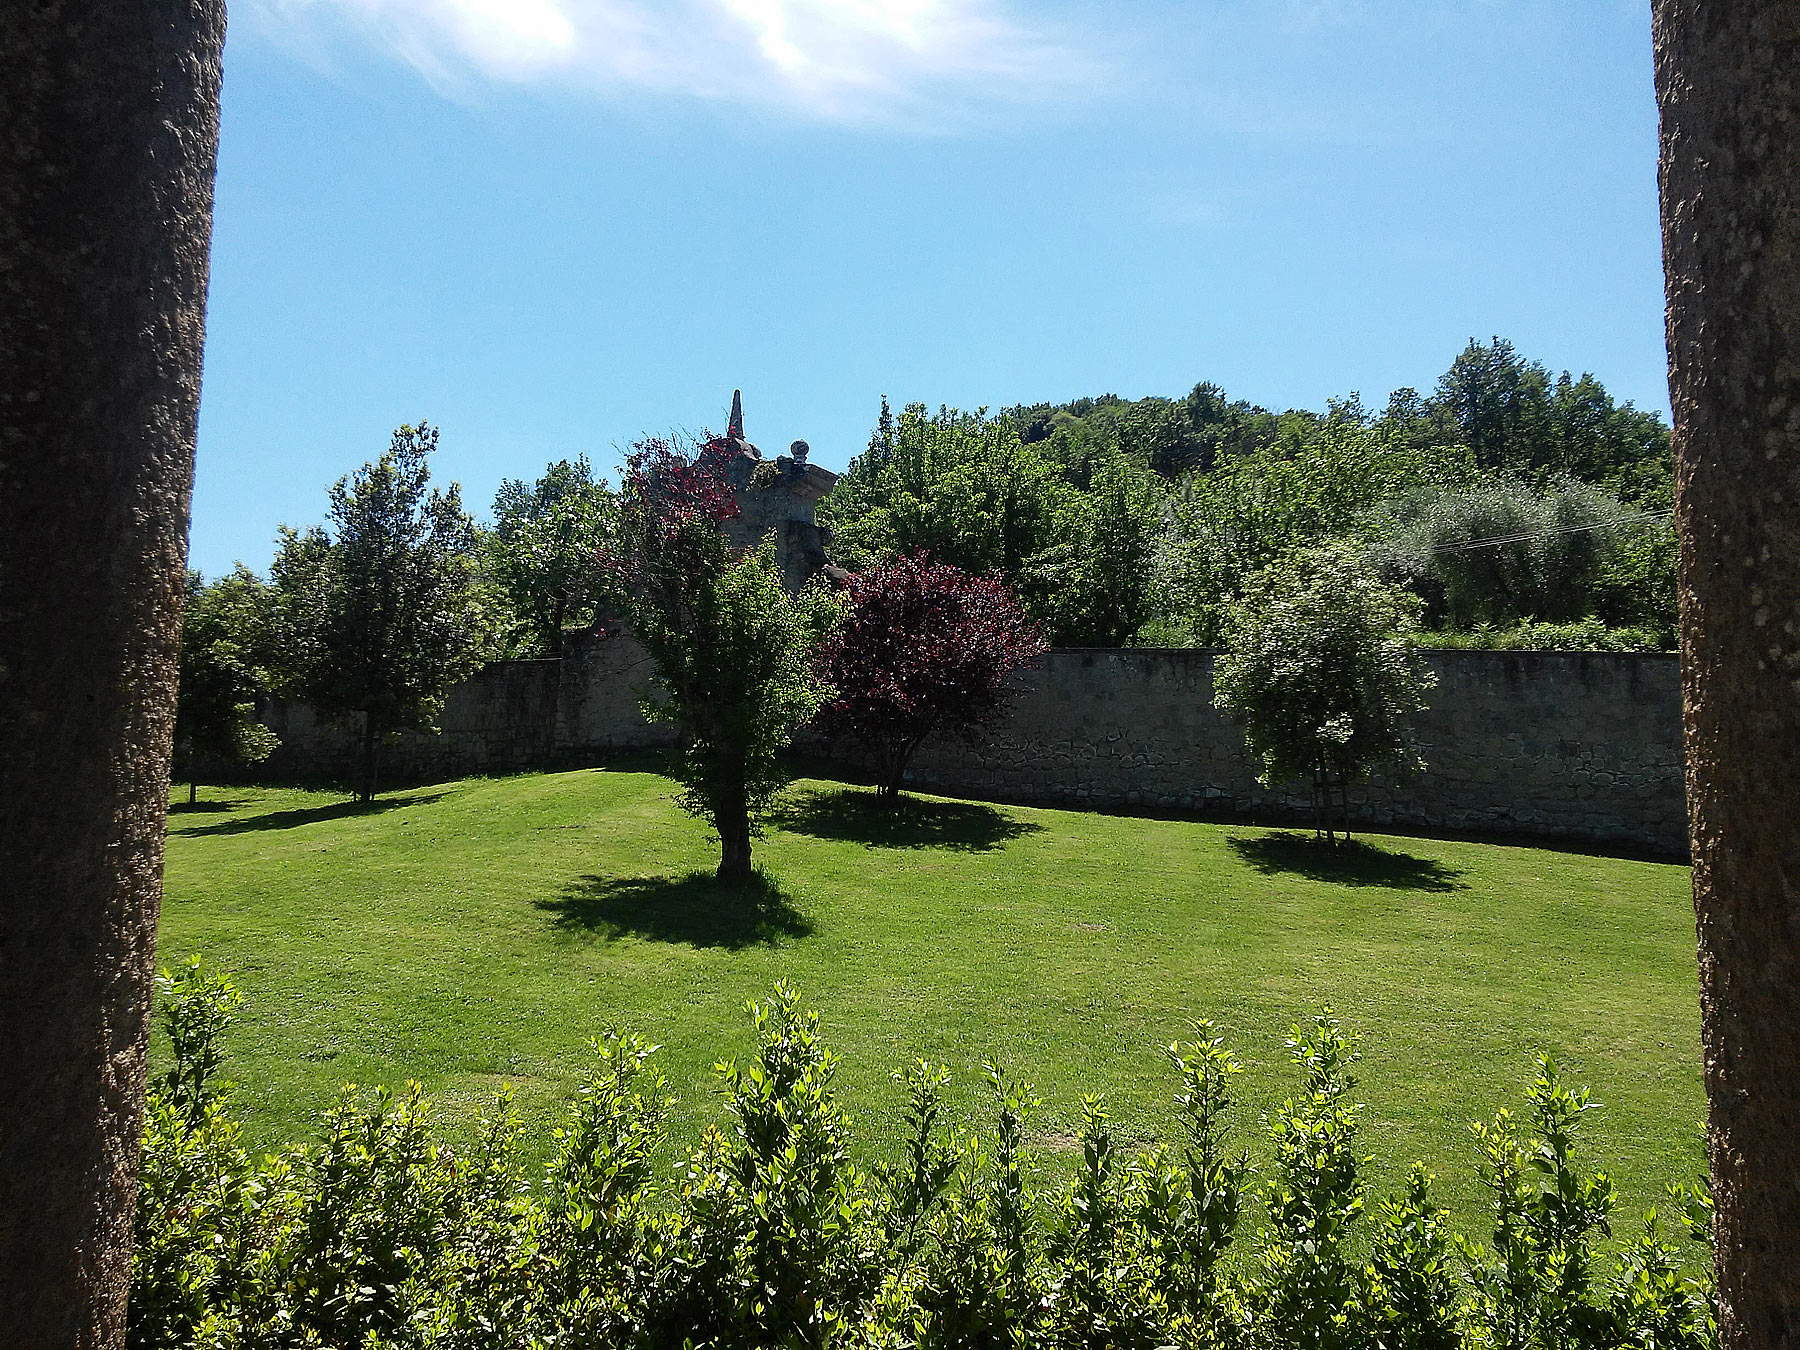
x=961 y=486
x=379 y=613
x=542 y=554
x=1319 y=672
x=224 y=652
x=1096 y=585
x=1319 y=483
x=924 y=649
x=733 y=650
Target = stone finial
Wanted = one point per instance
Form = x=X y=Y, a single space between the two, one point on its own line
x=734 y=429
x=799 y=450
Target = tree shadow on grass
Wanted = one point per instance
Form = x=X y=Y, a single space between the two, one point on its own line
x=697 y=910
x=1352 y=864
x=204 y=806
x=283 y=820
x=905 y=822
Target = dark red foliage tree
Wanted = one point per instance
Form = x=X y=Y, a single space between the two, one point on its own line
x=923 y=650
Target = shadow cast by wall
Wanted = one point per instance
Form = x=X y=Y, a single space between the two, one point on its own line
x=286 y=820
x=696 y=910
x=906 y=822
x=1352 y=864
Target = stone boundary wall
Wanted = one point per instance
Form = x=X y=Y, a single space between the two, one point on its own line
x=1568 y=745
x=1583 y=746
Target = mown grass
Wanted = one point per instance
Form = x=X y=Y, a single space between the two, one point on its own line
x=477 y=933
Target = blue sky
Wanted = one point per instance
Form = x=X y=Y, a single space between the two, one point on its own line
x=553 y=226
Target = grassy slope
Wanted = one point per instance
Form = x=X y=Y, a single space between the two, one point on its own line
x=476 y=933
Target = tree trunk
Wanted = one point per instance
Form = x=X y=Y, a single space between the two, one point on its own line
x=1321 y=795
x=734 y=848
x=890 y=773
x=193 y=791
x=733 y=824
x=108 y=135
x=371 y=750
x=1728 y=80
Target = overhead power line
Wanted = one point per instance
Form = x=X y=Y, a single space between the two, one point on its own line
x=1547 y=534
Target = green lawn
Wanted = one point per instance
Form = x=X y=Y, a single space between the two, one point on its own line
x=477 y=933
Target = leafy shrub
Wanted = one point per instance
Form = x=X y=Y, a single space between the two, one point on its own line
x=1583 y=635
x=380 y=1237
x=1319 y=672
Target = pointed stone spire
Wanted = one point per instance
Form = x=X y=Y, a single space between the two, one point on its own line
x=734 y=429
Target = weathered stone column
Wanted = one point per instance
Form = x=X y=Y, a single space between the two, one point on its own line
x=1728 y=79
x=108 y=134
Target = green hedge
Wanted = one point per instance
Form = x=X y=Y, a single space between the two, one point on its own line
x=1581 y=635
x=378 y=1235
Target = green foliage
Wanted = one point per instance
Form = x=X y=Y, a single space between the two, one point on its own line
x=740 y=681
x=1499 y=551
x=1512 y=415
x=961 y=487
x=1411 y=1279
x=380 y=612
x=1305 y=492
x=1320 y=671
x=1538 y=1286
x=1073 y=531
x=733 y=650
x=1636 y=585
x=1308 y=1278
x=1583 y=635
x=1249 y=484
x=225 y=657
x=543 y=554
x=1190 y=1205
x=1096 y=584
x=379 y=1236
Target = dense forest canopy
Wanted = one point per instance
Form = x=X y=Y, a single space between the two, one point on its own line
x=1523 y=508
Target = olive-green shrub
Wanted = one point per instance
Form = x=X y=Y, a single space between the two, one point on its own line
x=377 y=1236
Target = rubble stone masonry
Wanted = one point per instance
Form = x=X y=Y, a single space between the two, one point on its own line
x=1558 y=745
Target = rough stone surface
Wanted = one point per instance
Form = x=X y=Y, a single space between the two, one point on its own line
x=777 y=497
x=1557 y=745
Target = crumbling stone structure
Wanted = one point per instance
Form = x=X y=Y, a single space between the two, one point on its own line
x=778 y=496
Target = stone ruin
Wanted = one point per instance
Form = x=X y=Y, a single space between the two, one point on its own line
x=778 y=496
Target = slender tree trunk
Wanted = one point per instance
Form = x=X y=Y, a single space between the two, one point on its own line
x=193 y=791
x=371 y=750
x=890 y=774
x=108 y=134
x=734 y=847
x=1728 y=80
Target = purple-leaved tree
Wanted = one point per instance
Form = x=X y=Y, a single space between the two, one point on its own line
x=924 y=650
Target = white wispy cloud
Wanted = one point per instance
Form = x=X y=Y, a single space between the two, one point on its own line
x=923 y=62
